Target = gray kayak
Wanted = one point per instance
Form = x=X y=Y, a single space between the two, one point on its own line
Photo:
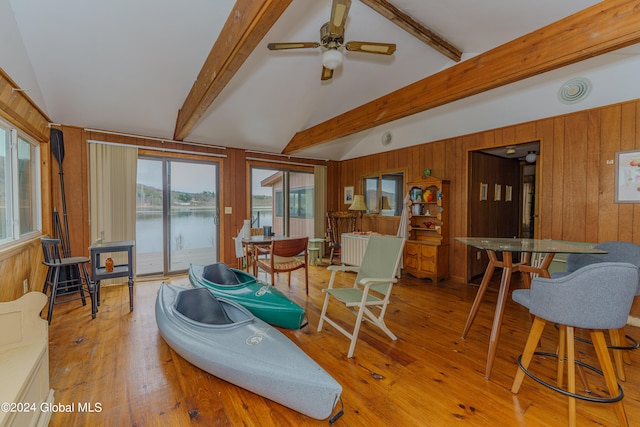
x=224 y=339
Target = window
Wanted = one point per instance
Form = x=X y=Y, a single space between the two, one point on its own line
x=300 y=203
x=279 y=203
x=20 y=210
x=384 y=193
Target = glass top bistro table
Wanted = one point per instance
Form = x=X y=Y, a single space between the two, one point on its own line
x=507 y=247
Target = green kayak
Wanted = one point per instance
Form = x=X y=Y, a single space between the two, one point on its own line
x=264 y=301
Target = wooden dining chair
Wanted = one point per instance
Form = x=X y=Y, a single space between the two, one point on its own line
x=66 y=276
x=244 y=258
x=283 y=256
x=339 y=222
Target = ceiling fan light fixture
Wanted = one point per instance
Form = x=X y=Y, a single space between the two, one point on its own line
x=332 y=59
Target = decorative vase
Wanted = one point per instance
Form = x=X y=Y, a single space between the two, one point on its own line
x=108 y=265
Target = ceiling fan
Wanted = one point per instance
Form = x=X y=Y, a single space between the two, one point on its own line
x=332 y=38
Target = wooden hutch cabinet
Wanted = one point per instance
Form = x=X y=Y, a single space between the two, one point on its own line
x=426 y=252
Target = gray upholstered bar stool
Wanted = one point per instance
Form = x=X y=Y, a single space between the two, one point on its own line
x=617 y=251
x=596 y=297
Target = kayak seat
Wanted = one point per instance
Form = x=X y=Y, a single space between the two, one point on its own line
x=200 y=305
x=220 y=273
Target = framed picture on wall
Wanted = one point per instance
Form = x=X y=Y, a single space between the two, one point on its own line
x=484 y=187
x=348 y=195
x=497 y=195
x=627 y=182
x=508 y=193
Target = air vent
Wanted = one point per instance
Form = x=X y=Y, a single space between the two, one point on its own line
x=574 y=91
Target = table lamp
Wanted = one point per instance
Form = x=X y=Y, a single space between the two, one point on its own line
x=358 y=205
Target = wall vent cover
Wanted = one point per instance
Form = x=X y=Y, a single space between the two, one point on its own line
x=575 y=90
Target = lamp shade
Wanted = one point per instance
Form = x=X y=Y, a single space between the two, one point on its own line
x=530 y=157
x=332 y=59
x=358 y=203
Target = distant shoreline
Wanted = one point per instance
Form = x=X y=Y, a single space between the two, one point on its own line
x=155 y=209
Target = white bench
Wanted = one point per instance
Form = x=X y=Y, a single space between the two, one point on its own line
x=24 y=362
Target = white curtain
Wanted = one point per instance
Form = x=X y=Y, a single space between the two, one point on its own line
x=320 y=201
x=403 y=228
x=112 y=187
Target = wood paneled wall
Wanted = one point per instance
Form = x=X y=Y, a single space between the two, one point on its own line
x=575 y=181
x=234 y=184
x=24 y=261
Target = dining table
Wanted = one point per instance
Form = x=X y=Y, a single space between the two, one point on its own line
x=501 y=255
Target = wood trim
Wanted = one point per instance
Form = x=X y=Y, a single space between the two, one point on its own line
x=602 y=28
x=18 y=108
x=267 y=164
x=245 y=27
x=416 y=29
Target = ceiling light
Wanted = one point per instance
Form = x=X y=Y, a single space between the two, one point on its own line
x=574 y=91
x=332 y=59
x=531 y=157
x=510 y=150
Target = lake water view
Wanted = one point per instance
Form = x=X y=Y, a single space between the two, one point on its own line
x=194 y=239
x=196 y=226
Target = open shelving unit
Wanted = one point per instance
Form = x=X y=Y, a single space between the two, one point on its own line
x=426 y=251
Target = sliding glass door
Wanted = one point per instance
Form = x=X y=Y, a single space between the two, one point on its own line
x=177 y=215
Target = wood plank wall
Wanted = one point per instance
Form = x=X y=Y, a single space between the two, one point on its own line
x=234 y=183
x=575 y=183
x=24 y=261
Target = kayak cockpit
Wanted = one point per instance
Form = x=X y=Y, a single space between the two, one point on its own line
x=201 y=306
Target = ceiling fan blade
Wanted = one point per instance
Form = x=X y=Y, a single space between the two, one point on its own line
x=372 y=47
x=292 y=45
x=339 y=11
x=327 y=73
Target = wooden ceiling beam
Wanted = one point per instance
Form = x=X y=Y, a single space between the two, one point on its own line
x=413 y=27
x=245 y=27
x=599 y=29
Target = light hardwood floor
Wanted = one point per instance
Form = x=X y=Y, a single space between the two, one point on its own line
x=118 y=365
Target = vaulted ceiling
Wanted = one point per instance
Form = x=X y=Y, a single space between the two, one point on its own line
x=200 y=70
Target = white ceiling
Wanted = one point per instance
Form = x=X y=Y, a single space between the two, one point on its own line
x=128 y=65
